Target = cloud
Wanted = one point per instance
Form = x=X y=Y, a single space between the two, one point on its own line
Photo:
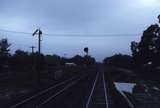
x=52 y=14
x=80 y=17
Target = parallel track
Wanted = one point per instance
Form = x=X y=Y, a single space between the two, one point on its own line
x=41 y=98
x=98 y=95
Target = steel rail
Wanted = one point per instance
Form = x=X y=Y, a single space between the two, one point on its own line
x=105 y=92
x=93 y=87
x=41 y=93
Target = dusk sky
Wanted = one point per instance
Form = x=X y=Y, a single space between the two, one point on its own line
x=74 y=22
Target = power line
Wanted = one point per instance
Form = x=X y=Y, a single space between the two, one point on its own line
x=76 y=35
x=15 y=31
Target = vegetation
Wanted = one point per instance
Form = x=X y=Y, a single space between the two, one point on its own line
x=147 y=50
x=24 y=67
x=4 y=53
x=145 y=55
x=119 y=60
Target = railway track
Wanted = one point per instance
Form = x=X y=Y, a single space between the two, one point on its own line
x=60 y=95
x=43 y=97
x=98 y=95
x=76 y=96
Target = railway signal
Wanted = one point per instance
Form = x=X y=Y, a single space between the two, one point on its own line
x=86 y=50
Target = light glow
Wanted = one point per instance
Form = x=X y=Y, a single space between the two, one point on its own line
x=149 y=2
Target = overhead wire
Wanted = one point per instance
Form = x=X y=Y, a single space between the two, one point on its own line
x=76 y=35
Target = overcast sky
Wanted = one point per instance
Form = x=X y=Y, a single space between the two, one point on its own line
x=83 y=17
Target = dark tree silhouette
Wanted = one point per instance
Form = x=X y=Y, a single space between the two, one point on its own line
x=88 y=60
x=119 y=60
x=52 y=60
x=147 y=51
x=79 y=60
x=20 y=61
x=4 y=47
x=4 y=52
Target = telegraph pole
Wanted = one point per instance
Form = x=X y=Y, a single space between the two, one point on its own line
x=158 y=18
x=39 y=41
x=39 y=33
x=32 y=47
x=33 y=65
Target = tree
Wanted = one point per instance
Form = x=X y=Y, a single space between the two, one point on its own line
x=146 y=53
x=4 y=47
x=52 y=60
x=88 y=60
x=4 y=52
x=135 y=52
x=148 y=49
x=79 y=60
x=20 y=61
x=119 y=60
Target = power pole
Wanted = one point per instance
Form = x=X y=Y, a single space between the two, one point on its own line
x=39 y=33
x=32 y=47
x=33 y=65
x=159 y=18
x=159 y=22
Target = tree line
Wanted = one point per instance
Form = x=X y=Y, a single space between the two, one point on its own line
x=145 y=58
x=25 y=61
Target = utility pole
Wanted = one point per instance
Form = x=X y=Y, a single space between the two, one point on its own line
x=32 y=47
x=39 y=33
x=33 y=65
x=159 y=18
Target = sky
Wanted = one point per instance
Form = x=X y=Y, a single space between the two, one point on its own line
x=76 y=24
